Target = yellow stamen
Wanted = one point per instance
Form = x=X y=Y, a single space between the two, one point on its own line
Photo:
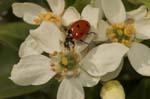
x=111 y=35
x=125 y=42
x=49 y=16
x=78 y=59
x=115 y=40
x=129 y=30
x=119 y=25
x=52 y=64
x=64 y=60
x=37 y=21
x=120 y=32
x=61 y=53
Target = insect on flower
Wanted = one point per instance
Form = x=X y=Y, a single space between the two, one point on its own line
x=77 y=31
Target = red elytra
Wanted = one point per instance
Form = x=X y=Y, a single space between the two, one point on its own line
x=80 y=29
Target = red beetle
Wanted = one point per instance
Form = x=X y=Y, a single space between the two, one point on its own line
x=78 y=30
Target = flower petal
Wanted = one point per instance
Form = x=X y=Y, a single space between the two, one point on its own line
x=91 y=14
x=114 y=10
x=32 y=70
x=97 y=4
x=137 y=14
x=139 y=56
x=104 y=58
x=143 y=29
x=101 y=34
x=29 y=47
x=71 y=15
x=48 y=36
x=112 y=75
x=87 y=80
x=80 y=46
x=57 y=6
x=70 y=89
x=28 y=11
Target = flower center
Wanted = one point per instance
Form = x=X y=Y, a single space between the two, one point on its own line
x=49 y=16
x=122 y=33
x=65 y=64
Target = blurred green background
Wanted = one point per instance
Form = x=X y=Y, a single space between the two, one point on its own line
x=13 y=31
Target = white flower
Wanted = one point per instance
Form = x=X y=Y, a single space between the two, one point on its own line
x=73 y=69
x=35 y=14
x=112 y=90
x=36 y=68
x=125 y=28
x=39 y=39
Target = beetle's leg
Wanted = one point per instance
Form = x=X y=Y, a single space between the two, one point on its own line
x=91 y=33
x=84 y=42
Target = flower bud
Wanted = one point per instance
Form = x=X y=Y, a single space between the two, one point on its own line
x=112 y=90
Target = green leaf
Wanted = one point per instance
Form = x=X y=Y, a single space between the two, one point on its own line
x=9 y=57
x=139 y=2
x=135 y=2
x=80 y=4
x=129 y=6
x=9 y=89
x=93 y=92
x=142 y=91
x=5 y=4
x=146 y=42
x=12 y=34
x=69 y=3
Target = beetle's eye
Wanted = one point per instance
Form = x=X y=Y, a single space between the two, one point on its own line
x=69 y=31
x=78 y=26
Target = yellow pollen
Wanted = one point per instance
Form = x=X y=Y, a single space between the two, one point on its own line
x=119 y=25
x=129 y=30
x=111 y=35
x=52 y=64
x=49 y=16
x=125 y=42
x=72 y=51
x=78 y=59
x=115 y=40
x=61 y=53
x=121 y=33
x=64 y=61
x=37 y=21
